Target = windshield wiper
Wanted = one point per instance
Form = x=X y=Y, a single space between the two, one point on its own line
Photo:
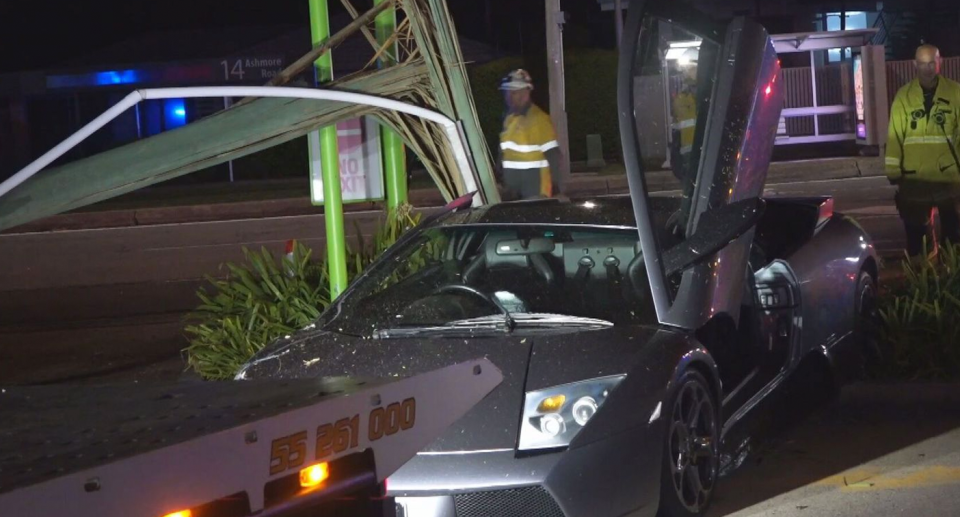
x=496 y=324
x=484 y=324
x=558 y=320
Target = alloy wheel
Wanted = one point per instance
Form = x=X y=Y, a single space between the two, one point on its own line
x=692 y=446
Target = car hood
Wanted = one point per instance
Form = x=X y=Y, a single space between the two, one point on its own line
x=528 y=362
x=491 y=424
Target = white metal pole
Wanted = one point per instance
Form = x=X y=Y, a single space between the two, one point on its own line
x=71 y=142
x=139 y=130
x=813 y=76
x=449 y=126
x=226 y=105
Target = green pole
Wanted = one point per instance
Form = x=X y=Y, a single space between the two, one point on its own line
x=394 y=156
x=330 y=161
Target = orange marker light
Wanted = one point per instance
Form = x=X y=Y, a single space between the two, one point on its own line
x=551 y=404
x=181 y=513
x=314 y=475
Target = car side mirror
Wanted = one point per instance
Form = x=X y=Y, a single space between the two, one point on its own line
x=716 y=229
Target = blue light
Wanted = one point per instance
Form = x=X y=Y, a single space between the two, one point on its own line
x=175 y=113
x=108 y=78
x=117 y=77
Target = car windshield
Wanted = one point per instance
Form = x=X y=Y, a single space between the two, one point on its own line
x=497 y=278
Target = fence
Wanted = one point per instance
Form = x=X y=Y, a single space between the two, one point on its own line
x=900 y=73
x=834 y=100
x=835 y=96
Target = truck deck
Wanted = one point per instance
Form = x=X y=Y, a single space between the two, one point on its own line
x=157 y=448
x=52 y=431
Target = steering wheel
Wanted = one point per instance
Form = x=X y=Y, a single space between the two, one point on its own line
x=455 y=288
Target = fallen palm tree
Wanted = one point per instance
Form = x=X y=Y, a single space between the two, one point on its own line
x=430 y=74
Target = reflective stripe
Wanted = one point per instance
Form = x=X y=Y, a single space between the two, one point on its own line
x=683 y=124
x=912 y=140
x=686 y=149
x=893 y=161
x=553 y=144
x=526 y=165
x=513 y=146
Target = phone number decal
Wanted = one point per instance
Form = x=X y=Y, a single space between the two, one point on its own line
x=290 y=452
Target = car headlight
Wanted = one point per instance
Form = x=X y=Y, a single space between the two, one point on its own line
x=552 y=417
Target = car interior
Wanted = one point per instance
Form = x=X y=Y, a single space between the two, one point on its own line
x=590 y=272
x=599 y=270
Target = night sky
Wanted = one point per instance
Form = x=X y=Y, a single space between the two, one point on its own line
x=40 y=34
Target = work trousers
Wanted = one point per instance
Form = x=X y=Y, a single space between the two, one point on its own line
x=915 y=215
x=527 y=183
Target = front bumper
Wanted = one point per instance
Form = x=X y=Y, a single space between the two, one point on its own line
x=526 y=501
x=613 y=477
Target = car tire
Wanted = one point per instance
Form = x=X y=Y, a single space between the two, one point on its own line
x=867 y=327
x=691 y=455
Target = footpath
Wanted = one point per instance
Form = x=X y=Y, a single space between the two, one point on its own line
x=177 y=205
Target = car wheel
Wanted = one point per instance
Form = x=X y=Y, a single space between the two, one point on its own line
x=868 y=319
x=691 y=449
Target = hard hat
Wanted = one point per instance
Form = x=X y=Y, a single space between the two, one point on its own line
x=689 y=57
x=518 y=79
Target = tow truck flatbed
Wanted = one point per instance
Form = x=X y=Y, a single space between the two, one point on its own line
x=155 y=449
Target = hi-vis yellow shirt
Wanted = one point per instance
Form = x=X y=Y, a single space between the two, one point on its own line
x=524 y=140
x=685 y=120
x=921 y=146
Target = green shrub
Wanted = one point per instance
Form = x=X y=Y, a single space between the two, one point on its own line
x=266 y=298
x=258 y=302
x=920 y=334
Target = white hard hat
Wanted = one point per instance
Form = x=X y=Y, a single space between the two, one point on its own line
x=689 y=57
x=517 y=80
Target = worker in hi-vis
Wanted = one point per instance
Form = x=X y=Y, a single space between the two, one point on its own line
x=529 y=151
x=921 y=155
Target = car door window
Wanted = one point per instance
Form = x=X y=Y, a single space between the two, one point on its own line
x=674 y=71
x=699 y=107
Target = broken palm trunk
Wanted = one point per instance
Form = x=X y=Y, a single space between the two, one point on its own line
x=431 y=74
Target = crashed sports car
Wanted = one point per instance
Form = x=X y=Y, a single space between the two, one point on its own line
x=633 y=332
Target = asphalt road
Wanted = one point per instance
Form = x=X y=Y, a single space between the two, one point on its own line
x=91 y=302
x=876 y=450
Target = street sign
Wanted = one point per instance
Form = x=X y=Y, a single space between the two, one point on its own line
x=250 y=69
x=361 y=171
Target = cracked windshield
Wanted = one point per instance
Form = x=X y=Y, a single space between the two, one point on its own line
x=500 y=278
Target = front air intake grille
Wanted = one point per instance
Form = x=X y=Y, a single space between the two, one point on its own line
x=514 y=502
